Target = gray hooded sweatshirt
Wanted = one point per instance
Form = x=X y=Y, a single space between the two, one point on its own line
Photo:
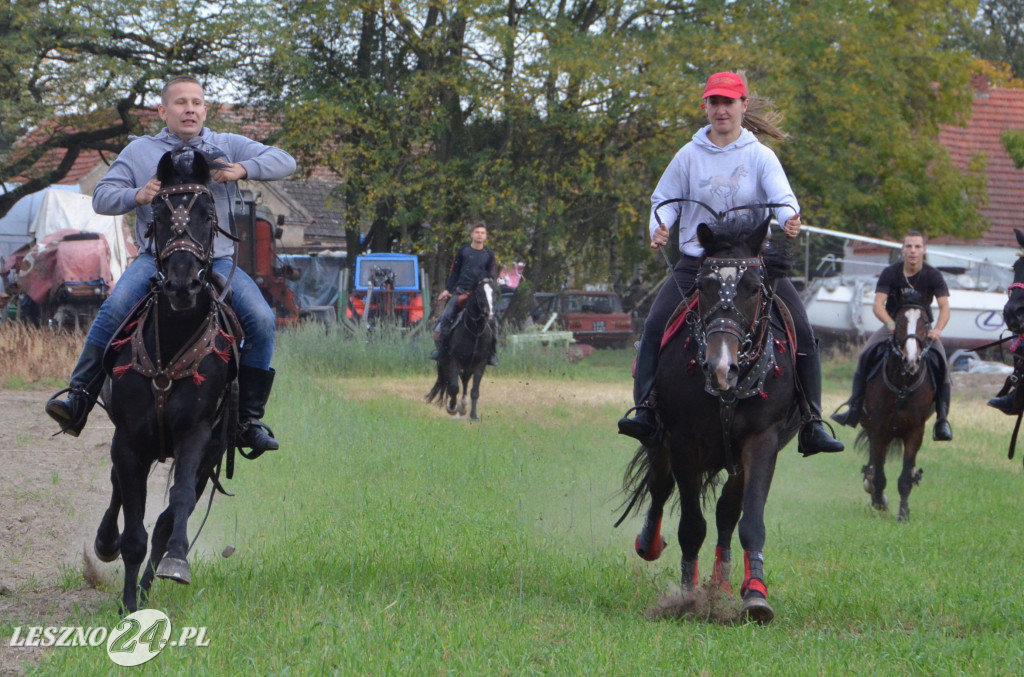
x=744 y=172
x=136 y=165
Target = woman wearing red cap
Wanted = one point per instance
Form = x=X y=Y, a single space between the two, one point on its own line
x=723 y=166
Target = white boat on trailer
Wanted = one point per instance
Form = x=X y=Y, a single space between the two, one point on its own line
x=841 y=305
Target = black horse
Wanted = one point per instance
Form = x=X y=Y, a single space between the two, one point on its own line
x=899 y=398
x=170 y=366
x=468 y=352
x=727 y=399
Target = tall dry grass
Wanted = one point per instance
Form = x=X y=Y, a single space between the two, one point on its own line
x=29 y=355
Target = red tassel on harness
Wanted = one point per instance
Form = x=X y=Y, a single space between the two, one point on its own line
x=117 y=345
x=228 y=337
x=120 y=371
x=763 y=394
x=778 y=371
x=691 y=366
x=198 y=378
x=780 y=346
x=225 y=354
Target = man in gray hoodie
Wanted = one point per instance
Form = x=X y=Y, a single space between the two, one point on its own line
x=130 y=183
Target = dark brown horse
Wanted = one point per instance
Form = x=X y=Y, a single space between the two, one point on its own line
x=170 y=367
x=727 y=400
x=899 y=398
x=467 y=352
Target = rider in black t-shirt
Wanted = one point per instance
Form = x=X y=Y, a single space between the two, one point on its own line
x=911 y=274
x=473 y=262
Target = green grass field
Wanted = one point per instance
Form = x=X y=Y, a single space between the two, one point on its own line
x=387 y=539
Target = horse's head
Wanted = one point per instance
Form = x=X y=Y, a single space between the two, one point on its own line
x=730 y=287
x=184 y=226
x=1013 y=311
x=483 y=295
x=910 y=333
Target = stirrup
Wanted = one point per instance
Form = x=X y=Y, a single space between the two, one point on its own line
x=808 y=426
x=256 y=451
x=648 y=440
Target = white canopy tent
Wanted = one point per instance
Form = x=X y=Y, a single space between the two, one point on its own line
x=61 y=209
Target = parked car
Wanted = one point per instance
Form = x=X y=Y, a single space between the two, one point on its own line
x=593 y=317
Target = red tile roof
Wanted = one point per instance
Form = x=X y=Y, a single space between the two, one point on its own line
x=995 y=111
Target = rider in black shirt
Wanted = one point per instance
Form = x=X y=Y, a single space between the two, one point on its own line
x=473 y=262
x=910 y=274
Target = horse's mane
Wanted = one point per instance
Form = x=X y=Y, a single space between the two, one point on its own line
x=776 y=253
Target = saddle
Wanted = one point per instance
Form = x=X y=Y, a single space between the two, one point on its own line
x=875 y=357
x=220 y=323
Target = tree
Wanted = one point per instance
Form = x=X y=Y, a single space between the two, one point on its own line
x=77 y=72
x=864 y=88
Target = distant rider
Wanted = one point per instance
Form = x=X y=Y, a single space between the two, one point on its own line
x=910 y=274
x=473 y=262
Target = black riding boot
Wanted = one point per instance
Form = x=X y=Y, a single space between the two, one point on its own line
x=253 y=392
x=942 y=432
x=1006 y=403
x=643 y=425
x=86 y=383
x=440 y=339
x=813 y=437
x=851 y=416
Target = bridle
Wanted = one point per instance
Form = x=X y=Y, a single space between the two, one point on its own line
x=896 y=350
x=750 y=332
x=475 y=319
x=182 y=238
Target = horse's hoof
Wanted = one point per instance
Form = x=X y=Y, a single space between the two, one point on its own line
x=105 y=554
x=175 y=569
x=757 y=609
x=882 y=505
x=650 y=551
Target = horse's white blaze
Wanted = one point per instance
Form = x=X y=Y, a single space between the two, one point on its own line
x=910 y=345
x=728 y=273
x=489 y=293
x=720 y=360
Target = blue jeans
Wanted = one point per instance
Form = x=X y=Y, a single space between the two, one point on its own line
x=257 y=318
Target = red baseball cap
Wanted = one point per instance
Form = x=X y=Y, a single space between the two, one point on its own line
x=725 y=84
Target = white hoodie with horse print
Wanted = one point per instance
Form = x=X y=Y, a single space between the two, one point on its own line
x=744 y=172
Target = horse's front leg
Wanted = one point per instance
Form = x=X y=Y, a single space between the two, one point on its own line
x=727 y=516
x=161 y=533
x=188 y=461
x=693 y=527
x=910 y=475
x=107 y=544
x=465 y=375
x=759 y=456
x=474 y=394
x=874 y=473
x=131 y=478
x=649 y=542
x=452 y=382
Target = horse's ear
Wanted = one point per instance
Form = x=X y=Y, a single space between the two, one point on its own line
x=705 y=236
x=756 y=238
x=200 y=168
x=165 y=168
x=1020 y=236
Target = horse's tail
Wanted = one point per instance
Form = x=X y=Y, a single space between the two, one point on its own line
x=438 y=391
x=634 y=484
